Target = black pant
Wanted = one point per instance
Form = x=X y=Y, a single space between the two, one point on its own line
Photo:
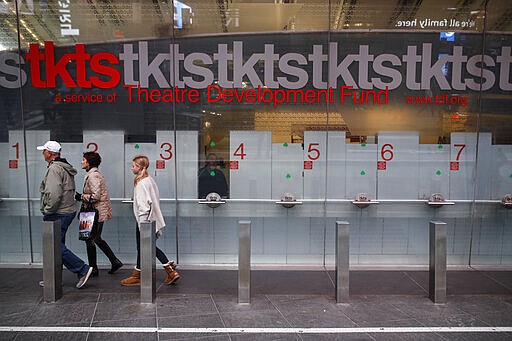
x=91 y=247
x=160 y=255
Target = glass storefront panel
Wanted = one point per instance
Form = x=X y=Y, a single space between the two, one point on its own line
x=289 y=110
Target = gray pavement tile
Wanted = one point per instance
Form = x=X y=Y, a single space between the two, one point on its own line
x=126 y=297
x=473 y=283
x=477 y=304
x=336 y=337
x=388 y=283
x=495 y=319
x=52 y=314
x=443 y=315
x=179 y=305
x=291 y=282
x=8 y=336
x=254 y=319
x=74 y=297
x=311 y=312
x=504 y=278
x=229 y=303
x=191 y=321
x=188 y=336
x=12 y=298
x=135 y=322
x=264 y=337
x=409 y=336
x=477 y=336
x=16 y=314
x=54 y=336
x=122 y=337
x=204 y=282
x=117 y=313
x=374 y=314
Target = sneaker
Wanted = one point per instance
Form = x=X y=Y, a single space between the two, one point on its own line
x=84 y=278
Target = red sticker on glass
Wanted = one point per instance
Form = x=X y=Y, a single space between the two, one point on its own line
x=160 y=164
x=13 y=163
x=233 y=164
x=308 y=164
x=381 y=165
x=454 y=166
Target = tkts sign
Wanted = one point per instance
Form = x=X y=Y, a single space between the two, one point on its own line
x=417 y=67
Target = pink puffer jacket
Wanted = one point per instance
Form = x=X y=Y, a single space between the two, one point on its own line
x=95 y=190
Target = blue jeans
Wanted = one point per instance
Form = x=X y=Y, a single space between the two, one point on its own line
x=71 y=261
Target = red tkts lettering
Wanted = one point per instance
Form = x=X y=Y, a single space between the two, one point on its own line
x=58 y=68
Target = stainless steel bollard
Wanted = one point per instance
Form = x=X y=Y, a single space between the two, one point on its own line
x=244 y=262
x=147 y=262
x=437 y=262
x=342 y=261
x=52 y=261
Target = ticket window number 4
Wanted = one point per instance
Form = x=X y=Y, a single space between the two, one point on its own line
x=238 y=153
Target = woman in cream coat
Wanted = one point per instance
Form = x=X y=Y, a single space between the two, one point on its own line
x=146 y=207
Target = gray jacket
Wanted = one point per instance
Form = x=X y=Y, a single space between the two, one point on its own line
x=58 y=188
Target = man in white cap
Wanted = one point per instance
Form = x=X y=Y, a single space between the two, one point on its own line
x=58 y=203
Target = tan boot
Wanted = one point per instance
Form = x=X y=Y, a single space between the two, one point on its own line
x=172 y=265
x=133 y=280
x=172 y=275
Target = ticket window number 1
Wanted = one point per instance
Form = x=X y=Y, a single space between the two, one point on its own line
x=13 y=163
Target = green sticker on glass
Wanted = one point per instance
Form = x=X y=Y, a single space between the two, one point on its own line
x=137 y=146
x=212 y=144
x=288 y=176
x=285 y=144
x=363 y=144
x=212 y=173
x=440 y=146
x=363 y=172
x=438 y=172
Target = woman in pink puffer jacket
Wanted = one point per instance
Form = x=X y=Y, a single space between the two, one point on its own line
x=95 y=191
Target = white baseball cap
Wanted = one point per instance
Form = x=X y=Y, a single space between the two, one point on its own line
x=52 y=146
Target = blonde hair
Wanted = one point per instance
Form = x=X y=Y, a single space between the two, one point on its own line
x=143 y=162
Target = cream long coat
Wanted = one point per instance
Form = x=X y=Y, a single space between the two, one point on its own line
x=95 y=190
x=146 y=203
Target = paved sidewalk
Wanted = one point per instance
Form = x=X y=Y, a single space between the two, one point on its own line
x=285 y=305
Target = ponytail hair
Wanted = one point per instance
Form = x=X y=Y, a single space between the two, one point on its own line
x=143 y=162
